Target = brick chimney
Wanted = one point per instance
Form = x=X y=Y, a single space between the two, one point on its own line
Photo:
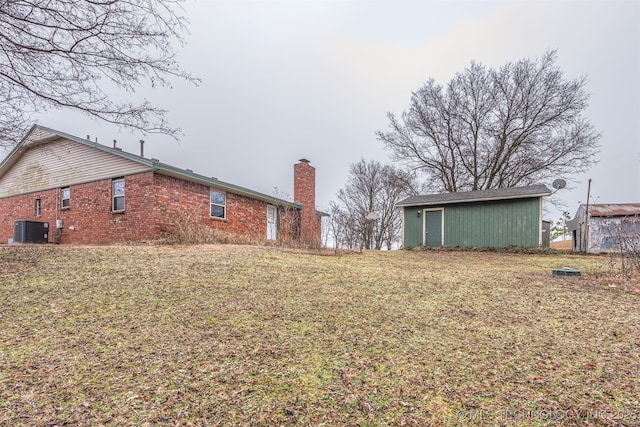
x=304 y=192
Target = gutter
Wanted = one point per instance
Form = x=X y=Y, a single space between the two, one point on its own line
x=487 y=199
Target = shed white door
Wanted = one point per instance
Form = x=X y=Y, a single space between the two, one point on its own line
x=272 y=223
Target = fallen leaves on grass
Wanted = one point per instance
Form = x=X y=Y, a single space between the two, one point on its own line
x=240 y=335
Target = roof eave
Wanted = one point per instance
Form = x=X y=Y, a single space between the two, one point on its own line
x=479 y=199
x=18 y=149
x=211 y=182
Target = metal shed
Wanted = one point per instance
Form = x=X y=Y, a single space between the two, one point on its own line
x=487 y=218
x=603 y=228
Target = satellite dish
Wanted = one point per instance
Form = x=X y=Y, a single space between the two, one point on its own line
x=559 y=184
x=372 y=216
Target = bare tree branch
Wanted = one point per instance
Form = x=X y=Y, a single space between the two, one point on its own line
x=518 y=125
x=75 y=53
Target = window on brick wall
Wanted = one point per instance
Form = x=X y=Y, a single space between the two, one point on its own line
x=118 y=195
x=66 y=197
x=218 y=204
x=38 y=207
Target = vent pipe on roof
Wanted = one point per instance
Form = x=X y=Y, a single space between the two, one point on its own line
x=141 y=148
x=114 y=143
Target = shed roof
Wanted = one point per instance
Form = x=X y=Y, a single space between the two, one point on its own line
x=614 y=209
x=476 y=196
x=41 y=135
x=603 y=210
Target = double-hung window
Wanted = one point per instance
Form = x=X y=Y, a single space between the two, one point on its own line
x=38 y=207
x=118 y=195
x=66 y=197
x=218 y=204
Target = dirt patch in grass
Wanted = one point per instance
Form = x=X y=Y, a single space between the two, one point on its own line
x=562 y=245
x=240 y=335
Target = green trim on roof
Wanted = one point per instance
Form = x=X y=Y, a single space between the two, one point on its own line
x=155 y=166
x=171 y=170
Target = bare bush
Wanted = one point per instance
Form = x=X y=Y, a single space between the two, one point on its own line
x=626 y=233
x=190 y=232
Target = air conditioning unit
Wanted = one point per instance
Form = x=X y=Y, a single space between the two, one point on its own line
x=30 y=231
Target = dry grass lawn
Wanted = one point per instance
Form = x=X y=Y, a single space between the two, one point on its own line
x=240 y=335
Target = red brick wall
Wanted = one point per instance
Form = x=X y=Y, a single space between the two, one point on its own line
x=89 y=212
x=179 y=199
x=24 y=207
x=304 y=191
x=153 y=205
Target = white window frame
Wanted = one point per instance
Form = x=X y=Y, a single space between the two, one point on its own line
x=63 y=198
x=38 y=207
x=217 y=204
x=115 y=196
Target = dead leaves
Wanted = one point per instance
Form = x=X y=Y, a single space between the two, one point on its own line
x=238 y=335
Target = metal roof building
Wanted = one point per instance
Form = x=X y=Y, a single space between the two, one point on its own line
x=605 y=227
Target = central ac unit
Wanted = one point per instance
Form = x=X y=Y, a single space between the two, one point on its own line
x=30 y=231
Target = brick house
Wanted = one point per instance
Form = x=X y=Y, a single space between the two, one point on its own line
x=95 y=194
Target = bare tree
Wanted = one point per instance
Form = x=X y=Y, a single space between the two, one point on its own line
x=559 y=228
x=340 y=221
x=365 y=215
x=72 y=53
x=518 y=125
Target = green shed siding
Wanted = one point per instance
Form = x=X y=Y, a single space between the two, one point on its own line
x=493 y=224
x=480 y=224
x=413 y=227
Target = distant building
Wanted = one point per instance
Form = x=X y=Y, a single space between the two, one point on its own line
x=499 y=217
x=90 y=193
x=605 y=225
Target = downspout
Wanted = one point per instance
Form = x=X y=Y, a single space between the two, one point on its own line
x=277 y=223
x=402 y=241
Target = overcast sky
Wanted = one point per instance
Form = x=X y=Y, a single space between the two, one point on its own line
x=284 y=80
